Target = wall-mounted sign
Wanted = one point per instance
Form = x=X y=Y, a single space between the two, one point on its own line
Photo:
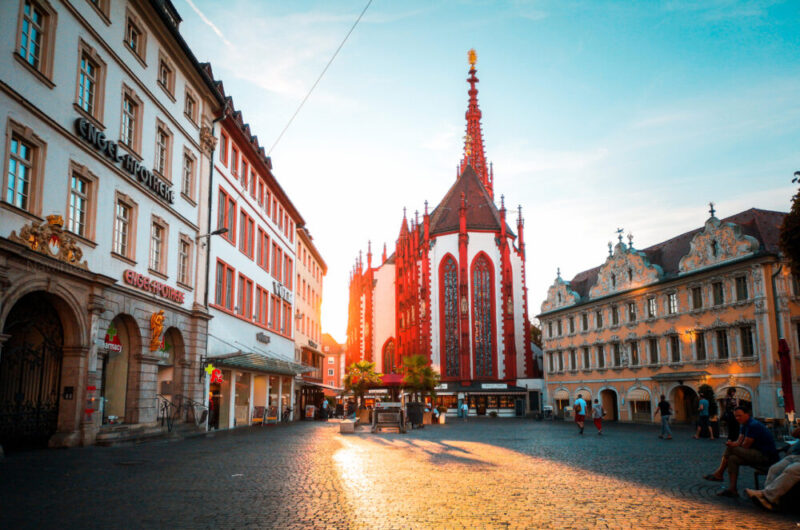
x=281 y=291
x=262 y=337
x=134 y=279
x=98 y=140
x=111 y=341
x=215 y=373
x=494 y=386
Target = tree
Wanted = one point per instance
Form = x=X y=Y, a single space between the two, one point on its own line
x=536 y=335
x=360 y=377
x=419 y=376
x=790 y=231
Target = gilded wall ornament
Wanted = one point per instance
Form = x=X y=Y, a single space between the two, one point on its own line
x=50 y=239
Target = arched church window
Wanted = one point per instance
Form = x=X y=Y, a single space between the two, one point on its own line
x=448 y=292
x=388 y=357
x=613 y=280
x=482 y=317
x=714 y=248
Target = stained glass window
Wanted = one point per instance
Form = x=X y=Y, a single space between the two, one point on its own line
x=449 y=293
x=482 y=318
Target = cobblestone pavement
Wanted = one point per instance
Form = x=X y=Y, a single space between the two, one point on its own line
x=491 y=473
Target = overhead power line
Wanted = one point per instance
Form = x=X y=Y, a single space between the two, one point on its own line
x=320 y=76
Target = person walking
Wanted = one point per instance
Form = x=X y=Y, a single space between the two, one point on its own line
x=580 y=412
x=703 y=420
x=465 y=409
x=597 y=416
x=665 y=409
x=730 y=404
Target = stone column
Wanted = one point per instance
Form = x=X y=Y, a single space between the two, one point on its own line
x=70 y=413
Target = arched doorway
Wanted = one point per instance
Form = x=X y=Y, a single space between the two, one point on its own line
x=684 y=402
x=30 y=373
x=122 y=341
x=608 y=398
x=387 y=358
x=169 y=365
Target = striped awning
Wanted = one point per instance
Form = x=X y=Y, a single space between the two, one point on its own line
x=741 y=394
x=586 y=394
x=638 y=394
x=561 y=393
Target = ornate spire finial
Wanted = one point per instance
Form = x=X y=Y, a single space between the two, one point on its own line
x=619 y=234
x=558 y=272
x=630 y=240
x=711 y=210
x=404 y=212
x=473 y=57
x=473 y=138
x=502 y=202
x=416 y=216
x=610 y=246
x=426 y=206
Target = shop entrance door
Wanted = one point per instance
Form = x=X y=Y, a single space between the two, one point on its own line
x=480 y=405
x=30 y=374
x=215 y=393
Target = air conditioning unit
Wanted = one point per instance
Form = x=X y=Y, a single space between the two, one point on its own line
x=166 y=387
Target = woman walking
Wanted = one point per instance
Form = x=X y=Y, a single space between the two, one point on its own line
x=597 y=416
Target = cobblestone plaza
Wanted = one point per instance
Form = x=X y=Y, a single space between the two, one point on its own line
x=491 y=473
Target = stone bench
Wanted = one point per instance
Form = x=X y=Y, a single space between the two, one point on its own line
x=347 y=427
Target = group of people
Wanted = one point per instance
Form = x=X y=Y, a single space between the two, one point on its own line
x=580 y=414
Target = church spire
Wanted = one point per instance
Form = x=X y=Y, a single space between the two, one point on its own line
x=473 y=140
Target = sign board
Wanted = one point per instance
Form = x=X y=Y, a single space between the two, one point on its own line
x=134 y=279
x=442 y=386
x=388 y=404
x=111 y=341
x=494 y=386
x=281 y=291
x=262 y=337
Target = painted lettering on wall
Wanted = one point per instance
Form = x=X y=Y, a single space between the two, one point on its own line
x=134 y=279
x=97 y=138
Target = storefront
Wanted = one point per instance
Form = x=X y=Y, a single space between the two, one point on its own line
x=483 y=399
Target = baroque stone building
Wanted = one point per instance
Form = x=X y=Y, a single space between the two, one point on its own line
x=708 y=306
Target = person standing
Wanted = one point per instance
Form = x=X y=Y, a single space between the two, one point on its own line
x=580 y=412
x=465 y=409
x=731 y=425
x=597 y=416
x=665 y=409
x=703 y=419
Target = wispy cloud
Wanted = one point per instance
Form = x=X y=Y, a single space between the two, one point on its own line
x=210 y=24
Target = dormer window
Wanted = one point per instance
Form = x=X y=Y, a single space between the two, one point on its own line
x=614 y=280
x=714 y=248
x=559 y=297
x=630 y=274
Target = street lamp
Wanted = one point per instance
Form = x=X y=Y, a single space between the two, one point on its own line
x=217 y=232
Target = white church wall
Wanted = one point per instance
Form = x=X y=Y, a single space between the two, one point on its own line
x=383 y=311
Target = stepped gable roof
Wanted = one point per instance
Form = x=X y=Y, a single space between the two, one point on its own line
x=764 y=225
x=482 y=214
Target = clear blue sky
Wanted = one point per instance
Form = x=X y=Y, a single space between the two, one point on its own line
x=597 y=115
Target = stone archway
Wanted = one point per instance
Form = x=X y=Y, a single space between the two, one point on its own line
x=684 y=403
x=170 y=365
x=123 y=342
x=609 y=399
x=388 y=357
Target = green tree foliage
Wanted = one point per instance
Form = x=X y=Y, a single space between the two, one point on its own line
x=536 y=335
x=419 y=377
x=790 y=231
x=360 y=377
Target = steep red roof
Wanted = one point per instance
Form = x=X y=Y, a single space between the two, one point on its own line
x=764 y=225
x=482 y=214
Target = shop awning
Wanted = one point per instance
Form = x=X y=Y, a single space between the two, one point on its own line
x=561 y=394
x=303 y=382
x=638 y=394
x=258 y=362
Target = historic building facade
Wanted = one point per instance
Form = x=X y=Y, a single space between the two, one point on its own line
x=333 y=366
x=453 y=290
x=107 y=118
x=705 y=307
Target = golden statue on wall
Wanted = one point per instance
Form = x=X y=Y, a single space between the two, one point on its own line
x=156 y=327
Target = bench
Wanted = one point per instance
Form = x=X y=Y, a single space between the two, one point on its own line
x=347 y=427
x=258 y=415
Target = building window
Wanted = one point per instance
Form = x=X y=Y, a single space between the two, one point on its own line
x=263 y=249
x=741 y=288
x=330 y=361
x=288 y=268
x=448 y=294
x=88 y=85
x=559 y=327
x=163 y=151
x=235 y=162
x=550 y=362
x=651 y=308
x=246 y=234
x=277 y=260
x=36 y=36
x=746 y=335
x=572 y=324
x=560 y=361
x=187 y=175
x=634 y=347
x=672 y=303
x=697 y=298
x=617 y=351
x=262 y=305
x=700 y=345
x=719 y=293
x=675 y=348
x=124 y=228
x=245 y=302
x=573 y=359
x=223 y=148
x=587 y=364
x=652 y=344
x=185 y=260
x=601 y=356
x=722 y=344
x=585 y=321
x=330 y=371
x=129 y=122
x=190 y=107
x=245 y=173
x=135 y=36
x=158 y=244
x=614 y=315
x=631 y=311
x=550 y=329
x=166 y=76
x=226 y=215
x=598 y=318
x=796 y=284
x=224 y=292
x=20 y=173
x=82 y=202
x=483 y=316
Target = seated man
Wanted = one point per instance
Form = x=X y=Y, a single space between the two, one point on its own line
x=781 y=478
x=755 y=447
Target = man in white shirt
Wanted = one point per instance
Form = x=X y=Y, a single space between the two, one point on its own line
x=580 y=412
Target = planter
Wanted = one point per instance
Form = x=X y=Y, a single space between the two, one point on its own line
x=427 y=418
x=363 y=416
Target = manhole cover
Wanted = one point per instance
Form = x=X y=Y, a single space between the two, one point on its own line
x=131 y=463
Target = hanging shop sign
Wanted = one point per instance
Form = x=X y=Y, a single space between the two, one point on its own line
x=214 y=373
x=111 y=341
x=281 y=291
x=134 y=279
x=97 y=139
x=494 y=386
x=262 y=337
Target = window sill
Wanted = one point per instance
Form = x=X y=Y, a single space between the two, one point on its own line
x=130 y=150
x=166 y=90
x=192 y=120
x=103 y=16
x=157 y=274
x=134 y=53
x=126 y=259
x=86 y=241
x=94 y=121
x=188 y=199
x=184 y=286
x=46 y=81
x=163 y=177
x=25 y=213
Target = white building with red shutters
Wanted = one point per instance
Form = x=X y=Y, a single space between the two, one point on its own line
x=251 y=293
x=453 y=290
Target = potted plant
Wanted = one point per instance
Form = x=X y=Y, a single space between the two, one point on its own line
x=360 y=377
